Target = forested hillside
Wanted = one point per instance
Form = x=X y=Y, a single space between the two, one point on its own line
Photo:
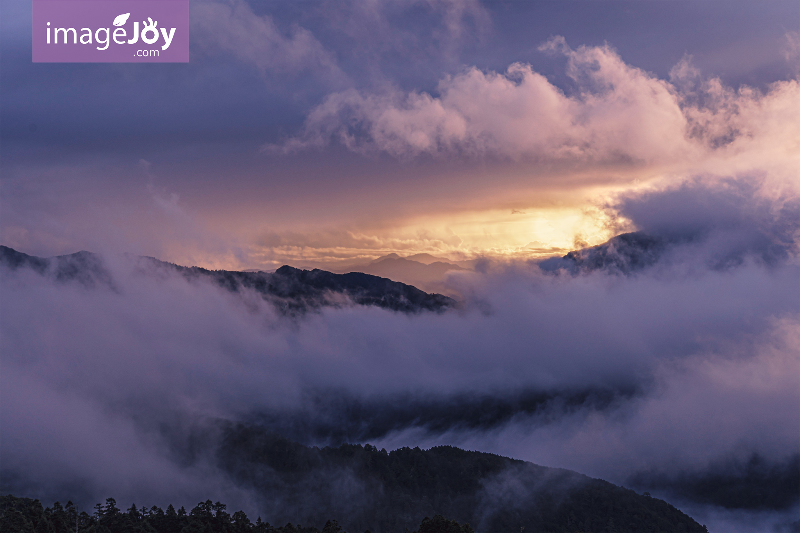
x=366 y=489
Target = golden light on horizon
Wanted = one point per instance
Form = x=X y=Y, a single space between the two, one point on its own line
x=502 y=234
x=513 y=233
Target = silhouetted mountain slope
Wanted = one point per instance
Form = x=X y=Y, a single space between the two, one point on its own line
x=622 y=254
x=291 y=290
x=82 y=267
x=366 y=488
x=716 y=247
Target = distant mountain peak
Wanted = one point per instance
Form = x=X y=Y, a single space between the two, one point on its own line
x=427 y=259
x=387 y=256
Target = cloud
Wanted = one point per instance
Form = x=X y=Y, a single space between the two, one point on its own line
x=377 y=28
x=620 y=112
x=232 y=27
x=380 y=39
x=614 y=113
x=791 y=49
x=462 y=20
x=742 y=128
x=454 y=21
x=722 y=224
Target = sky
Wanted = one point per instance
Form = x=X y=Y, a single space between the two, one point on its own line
x=329 y=134
x=320 y=133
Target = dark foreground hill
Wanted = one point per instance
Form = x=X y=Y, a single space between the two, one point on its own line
x=366 y=488
x=363 y=488
x=290 y=290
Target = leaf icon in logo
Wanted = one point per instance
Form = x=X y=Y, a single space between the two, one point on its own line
x=121 y=19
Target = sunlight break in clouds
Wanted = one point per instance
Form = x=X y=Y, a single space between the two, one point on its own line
x=616 y=128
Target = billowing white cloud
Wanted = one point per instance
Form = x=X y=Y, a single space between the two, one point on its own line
x=616 y=113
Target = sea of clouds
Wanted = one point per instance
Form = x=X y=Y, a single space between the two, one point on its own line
x=115 y=389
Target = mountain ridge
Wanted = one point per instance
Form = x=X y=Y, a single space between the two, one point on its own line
x=290 y=290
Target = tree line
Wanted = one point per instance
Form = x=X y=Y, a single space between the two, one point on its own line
x=26 y=515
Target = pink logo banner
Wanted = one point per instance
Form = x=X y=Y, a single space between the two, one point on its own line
x=110 y=31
